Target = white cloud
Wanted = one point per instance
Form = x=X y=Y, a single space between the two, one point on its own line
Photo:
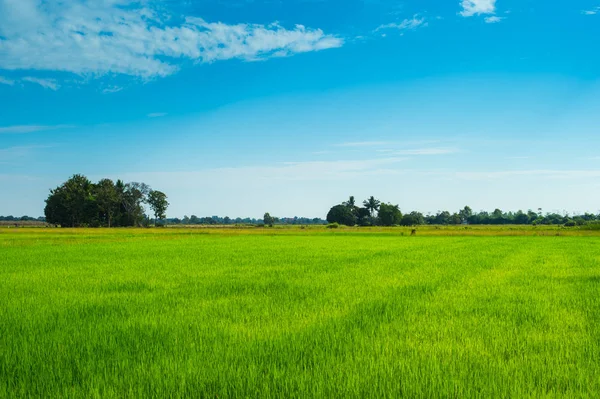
x=477 y=7
x=493 y=20
x=6 y=81
x=408 y=24
x=30 y=128
x=157 y=114
x=45 y=83
x=132 y=38
x=593 y=11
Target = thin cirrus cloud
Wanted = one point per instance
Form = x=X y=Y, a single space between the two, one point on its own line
x=6 y=81
x=427 y=151
x=407 y=24
x=45 y=83
x=14 y=153
x=157 y=114
x=22 y=129
x=133 y=38
x=363 y=144
x=538 y=173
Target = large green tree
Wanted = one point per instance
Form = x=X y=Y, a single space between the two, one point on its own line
x=108 y=200
x=133 y=197
x=72 y=203
x=158 y=203
x=389 y=215
x=341 y=214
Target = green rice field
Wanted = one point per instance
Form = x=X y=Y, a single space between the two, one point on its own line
x=300 y=313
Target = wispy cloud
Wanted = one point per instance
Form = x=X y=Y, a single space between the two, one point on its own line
x=493 y=20
x=427 y=151
x=538 y=173
x=408 y=24
x=6 y=81
x=136 y=38
x=592 y=11
x=20 y=129
x=287 y=171
x=13 y=153
x=477 y=7
x=112 y=89
x=45 y=83
x=157 y=114
x=364 y=144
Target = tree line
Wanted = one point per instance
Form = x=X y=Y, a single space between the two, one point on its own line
x=268 y=219
x=78 y=202
x=25 y=218
x=373 y=212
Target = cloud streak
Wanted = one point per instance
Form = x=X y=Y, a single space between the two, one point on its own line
x=45 y=83
x=427 y=151
x=408 y=24
x=21 y=129
x=593 y=11
x=6 y=81
x=132 y=38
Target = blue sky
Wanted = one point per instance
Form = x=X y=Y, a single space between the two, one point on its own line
x=241 y=107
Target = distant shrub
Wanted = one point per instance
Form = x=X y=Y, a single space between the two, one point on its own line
x=334 y=225
x=570 y=223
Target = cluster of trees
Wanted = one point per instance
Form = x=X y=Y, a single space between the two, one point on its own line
x=217 y=220
x=376 y=213
x=78 y=202
x=372 y=213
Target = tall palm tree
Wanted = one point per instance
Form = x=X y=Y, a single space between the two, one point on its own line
x=372 y=205
x=351 y=203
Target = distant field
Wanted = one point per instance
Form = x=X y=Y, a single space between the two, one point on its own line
x=290 y=312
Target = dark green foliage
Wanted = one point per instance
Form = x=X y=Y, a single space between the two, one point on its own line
x=389 y=215
x=341 y=214
x=268 y=219
x=78 y=203
x=413 y=219
x=107 y=199
x=159 y=204
x=72 y=204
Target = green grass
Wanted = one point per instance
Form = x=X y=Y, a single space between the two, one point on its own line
x=278 y=313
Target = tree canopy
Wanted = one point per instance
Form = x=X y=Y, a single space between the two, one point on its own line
x=78 y=202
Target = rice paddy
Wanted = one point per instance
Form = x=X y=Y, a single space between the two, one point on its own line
x=300 y=313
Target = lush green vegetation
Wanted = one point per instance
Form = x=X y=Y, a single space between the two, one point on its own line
x=80 y=203
x=377 y=213
x=315 y=312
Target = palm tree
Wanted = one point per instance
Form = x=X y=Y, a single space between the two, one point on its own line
x=372 y=205
x=351 y=203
